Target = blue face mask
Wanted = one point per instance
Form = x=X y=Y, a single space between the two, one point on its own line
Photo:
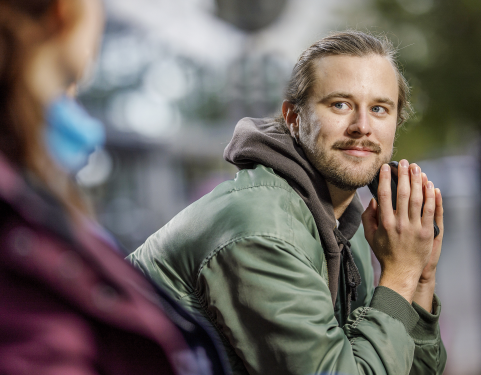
x=71 y=134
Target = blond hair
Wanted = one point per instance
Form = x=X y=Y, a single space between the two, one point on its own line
x=351 y=43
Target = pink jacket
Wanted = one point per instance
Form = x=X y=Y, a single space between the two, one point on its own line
x=70 y=304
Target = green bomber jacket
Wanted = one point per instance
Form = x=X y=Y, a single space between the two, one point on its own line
x=248 y=258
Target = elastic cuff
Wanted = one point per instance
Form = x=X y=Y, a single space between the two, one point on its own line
x=427 y=327
x=396 y=306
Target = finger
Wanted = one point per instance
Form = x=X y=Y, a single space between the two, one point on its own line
x=439 y=213
x=384 y=196
x=416 y=199
x=425 y=181
x=429 y=205
x=425 y=178
x=403 y=189
x=369 y=220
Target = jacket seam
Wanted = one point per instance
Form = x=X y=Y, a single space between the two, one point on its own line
x=427 y=342
x=235 y=239
x=361 y=316
x=259 y=185
x=182 y=296
x=210 y=316
x=290 y=191
x=200 y=297
x=288 y=206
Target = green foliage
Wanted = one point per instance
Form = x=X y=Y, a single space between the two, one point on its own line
x=440 y=50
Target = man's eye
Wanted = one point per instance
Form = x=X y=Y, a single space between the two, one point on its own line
x=378 y=109
x=341 y=105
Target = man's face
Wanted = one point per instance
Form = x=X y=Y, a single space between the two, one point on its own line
x=348 y=126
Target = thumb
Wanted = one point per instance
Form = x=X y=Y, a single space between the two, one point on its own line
x=369 y=220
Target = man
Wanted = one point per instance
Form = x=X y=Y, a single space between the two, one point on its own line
x=266 y=257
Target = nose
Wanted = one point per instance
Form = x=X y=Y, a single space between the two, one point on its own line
x=360 y=125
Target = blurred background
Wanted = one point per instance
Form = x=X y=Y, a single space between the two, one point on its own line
x=174 y=77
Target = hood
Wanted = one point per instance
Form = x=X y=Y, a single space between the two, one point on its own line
x=265 y=141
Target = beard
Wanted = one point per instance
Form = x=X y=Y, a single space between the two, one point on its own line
x=347 y=172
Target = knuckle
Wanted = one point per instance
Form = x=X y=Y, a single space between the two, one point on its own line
x=401 y=226
x=429 y=196
x=426 y=234
x=416 y=179
x=428 y=210
x=388 y=224
x=403 y=171
x=425 y=230
x=417 y=201
x=384 y=194
x=403 y=194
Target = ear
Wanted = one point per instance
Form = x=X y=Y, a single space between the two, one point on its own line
x=62 y=17
x=291 y=118
x=49 y=25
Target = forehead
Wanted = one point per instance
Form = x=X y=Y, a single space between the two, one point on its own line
x=364 y=77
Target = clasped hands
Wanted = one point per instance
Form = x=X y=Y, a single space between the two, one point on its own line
x=403 y=240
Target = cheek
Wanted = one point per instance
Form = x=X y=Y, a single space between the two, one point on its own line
x=331 y=128
x=386 y=137
x=85 y=41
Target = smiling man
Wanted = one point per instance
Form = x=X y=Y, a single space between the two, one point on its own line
x=276 y=259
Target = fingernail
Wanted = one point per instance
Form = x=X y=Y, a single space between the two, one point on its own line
x=385 y=168
x=429 y=185
x=404 y=163
x=416 y=170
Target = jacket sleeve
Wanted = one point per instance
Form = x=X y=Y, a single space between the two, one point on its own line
x=275 y=309
x=429 y=354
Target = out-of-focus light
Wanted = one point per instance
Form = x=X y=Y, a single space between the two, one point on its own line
x=417 y=6
x=148 y=115
x=97 y=171
x=186 y=26
x=123 y=59
x=456 y=176
x=167 y=79
x=123 y=216
x=415 y=45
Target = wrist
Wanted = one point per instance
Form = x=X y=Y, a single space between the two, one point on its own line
x=426 y=284
x=406 y=285
x=424 y=294
x=428 y=278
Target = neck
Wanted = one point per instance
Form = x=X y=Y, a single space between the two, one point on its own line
x=340 y=199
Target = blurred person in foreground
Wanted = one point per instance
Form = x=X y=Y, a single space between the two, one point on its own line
x=276 y=259
x=70 y=304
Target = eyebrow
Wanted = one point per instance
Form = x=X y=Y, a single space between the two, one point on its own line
x=339 y=94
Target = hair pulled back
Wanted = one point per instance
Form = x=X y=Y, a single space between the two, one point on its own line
x=351 y=43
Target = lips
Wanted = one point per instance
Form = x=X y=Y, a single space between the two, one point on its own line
x=358 y=151
x=356 y=147
x=367 y=149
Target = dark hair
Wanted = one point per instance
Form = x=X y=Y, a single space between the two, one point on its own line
x=21 y=113
x=351 y=43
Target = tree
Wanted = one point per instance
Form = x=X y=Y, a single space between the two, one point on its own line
x=440 y=50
